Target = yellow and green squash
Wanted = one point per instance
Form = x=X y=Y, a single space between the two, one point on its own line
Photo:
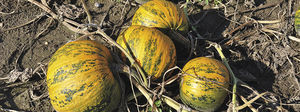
x=79 y=78
x=154 y=51
x=204 y=84
x=161 y=14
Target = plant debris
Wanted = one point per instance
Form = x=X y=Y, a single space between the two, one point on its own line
x=15 y=74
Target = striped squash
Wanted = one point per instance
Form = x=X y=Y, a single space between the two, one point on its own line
x=79 y=78
x=203 y=86
x=161 y=14
x=153 y=50
x=297 y=21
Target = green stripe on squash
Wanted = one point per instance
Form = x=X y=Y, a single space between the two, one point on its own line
x=205 y=83
x=161 y=14
x=154 y=51
x=79 y=78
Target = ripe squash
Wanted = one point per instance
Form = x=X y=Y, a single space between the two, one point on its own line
x=154 y=51
x=161 y=14
x=79 y=78
x=203 y=86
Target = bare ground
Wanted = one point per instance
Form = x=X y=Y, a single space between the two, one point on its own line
x=254 y=35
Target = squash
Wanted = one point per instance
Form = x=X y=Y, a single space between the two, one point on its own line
x=79 y=78
x=204 y=84
x=154 y=51
x=161 y=14
x=297 y=21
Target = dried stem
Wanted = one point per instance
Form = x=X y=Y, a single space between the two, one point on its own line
x=65 y=21
x=177 y=106
x=294 y=38
x=126 y=69
x=250 y=106
x=31 y=21
x=87 y=11
x=250 y=102
x=239 y=27
x=169 y=101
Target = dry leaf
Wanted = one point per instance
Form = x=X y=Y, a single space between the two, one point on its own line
x=15 y=74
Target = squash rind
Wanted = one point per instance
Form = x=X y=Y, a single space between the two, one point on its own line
x=79 y=78
x=161 y=14
x=205 y=87
x=154 y=51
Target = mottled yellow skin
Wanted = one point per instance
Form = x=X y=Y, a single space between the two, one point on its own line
x=79 y=78
x=204 y=87
x=154 y=51
x=161 y=14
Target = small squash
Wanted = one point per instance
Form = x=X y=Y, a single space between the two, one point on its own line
x=203 y=86
x=79 y=78
x=154 y=51
x=161 y=14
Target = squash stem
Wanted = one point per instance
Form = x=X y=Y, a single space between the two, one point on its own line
x=87 y=12
x=169 y=101
x=130 y=58
x=128 y=71
x=235 y=80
